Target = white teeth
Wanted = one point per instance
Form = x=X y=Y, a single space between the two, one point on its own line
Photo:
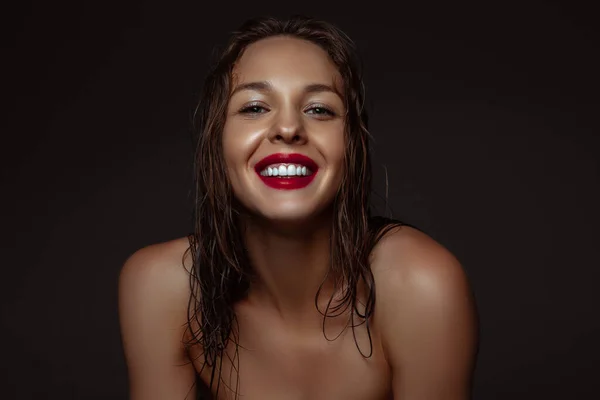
x=286 y=170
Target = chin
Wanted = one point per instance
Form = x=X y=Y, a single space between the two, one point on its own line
x=306 y=207
x=290 y=214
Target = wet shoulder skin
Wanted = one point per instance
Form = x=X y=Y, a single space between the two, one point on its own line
x=423 y=332
x=426 y=315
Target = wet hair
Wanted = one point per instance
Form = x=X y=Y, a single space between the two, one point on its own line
x=221 y=271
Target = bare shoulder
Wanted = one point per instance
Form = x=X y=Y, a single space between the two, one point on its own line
x=164 y=264
x=425 y=309
x=153 y=278
x=153 y=299
x=407 y=256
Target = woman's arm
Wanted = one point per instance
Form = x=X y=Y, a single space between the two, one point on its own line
x=427 y=318
x=153 y=298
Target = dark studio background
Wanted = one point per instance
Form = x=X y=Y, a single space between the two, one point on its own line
x=485 y=118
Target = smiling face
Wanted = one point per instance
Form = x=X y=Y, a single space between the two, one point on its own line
x=287 y=98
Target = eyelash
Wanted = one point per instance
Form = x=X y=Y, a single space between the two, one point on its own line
x=248 y=109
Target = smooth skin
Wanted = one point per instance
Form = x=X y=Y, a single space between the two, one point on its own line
x=287 y=97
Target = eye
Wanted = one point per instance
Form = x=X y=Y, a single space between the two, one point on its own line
x=320 y=110
x=253 y=109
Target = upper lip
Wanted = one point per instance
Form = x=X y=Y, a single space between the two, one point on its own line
x=287 y=158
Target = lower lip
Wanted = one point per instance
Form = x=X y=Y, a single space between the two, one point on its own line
x=296 y=182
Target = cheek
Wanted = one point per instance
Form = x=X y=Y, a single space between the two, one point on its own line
x=233 y=154
x=333 y=145
x=234 y=146
x=230 y=149
x=240 y=140
x=338 y=150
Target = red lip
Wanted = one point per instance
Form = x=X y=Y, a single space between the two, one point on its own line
x=296 y=182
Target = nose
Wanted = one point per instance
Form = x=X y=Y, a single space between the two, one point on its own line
x=288 y=128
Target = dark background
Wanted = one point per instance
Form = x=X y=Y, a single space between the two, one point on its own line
x=484 y=116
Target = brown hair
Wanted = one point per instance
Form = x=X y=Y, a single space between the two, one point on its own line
x=221 y=269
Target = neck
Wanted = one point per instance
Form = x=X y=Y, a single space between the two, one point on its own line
x=290 y=265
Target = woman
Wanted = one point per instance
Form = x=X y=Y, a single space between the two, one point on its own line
x=289 y=289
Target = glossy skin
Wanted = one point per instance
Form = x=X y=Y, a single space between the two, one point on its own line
x=424 y=325
x=280 y=104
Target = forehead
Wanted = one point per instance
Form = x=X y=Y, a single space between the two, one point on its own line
x=286 y=59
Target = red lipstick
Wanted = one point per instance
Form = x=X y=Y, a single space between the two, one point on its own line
x=287 y=182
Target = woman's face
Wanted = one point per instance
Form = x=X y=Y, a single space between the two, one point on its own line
x=283 y=138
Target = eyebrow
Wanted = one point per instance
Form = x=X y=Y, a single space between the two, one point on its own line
x=265 y=86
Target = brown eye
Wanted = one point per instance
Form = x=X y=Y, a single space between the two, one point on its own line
x=320 y=110
x=253 y=109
